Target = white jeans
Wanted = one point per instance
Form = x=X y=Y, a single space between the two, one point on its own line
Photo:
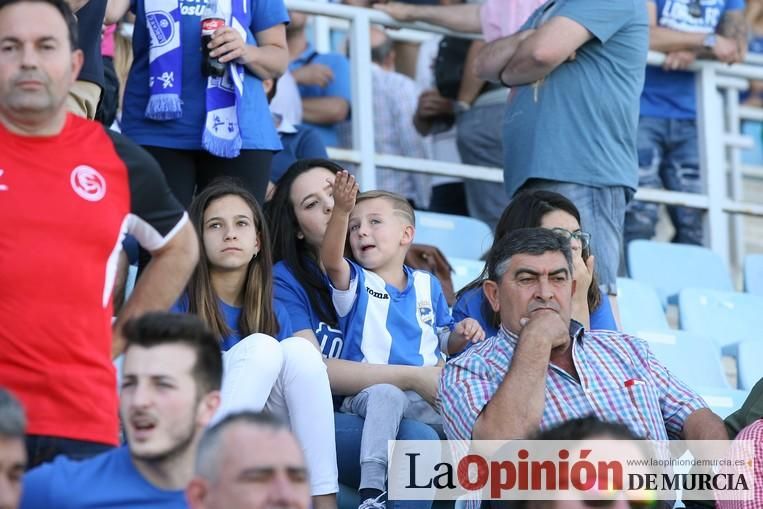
x=287 y=379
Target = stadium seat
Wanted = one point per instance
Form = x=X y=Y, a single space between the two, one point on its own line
x=464 y=271
x=754 y=130
x=694 y=359
x=722 y=401
x=753 y=274
x=670 y=267
x=456 y=236
x=749 y=363
x=728 y=317
x=640 y=307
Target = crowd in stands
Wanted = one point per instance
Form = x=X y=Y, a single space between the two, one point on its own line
x=275 y=339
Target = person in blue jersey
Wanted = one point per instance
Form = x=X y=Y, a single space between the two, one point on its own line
x=169 y=392
x=544 y=209
x=298 y=214
x=265 y=368
x=389 y=313
x=201 y=127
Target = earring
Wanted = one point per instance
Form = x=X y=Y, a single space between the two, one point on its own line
x=300 y=235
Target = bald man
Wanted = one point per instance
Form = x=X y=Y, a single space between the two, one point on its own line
x=249 y=461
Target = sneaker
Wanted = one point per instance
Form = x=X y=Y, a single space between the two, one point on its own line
x=374 y=503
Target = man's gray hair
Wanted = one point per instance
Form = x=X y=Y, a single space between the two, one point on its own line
x=12 y=420
x=210 y=445
x=532 y=241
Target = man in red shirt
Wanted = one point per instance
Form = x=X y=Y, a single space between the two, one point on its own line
x=69 y=192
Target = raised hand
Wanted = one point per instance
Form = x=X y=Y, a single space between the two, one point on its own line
x=345 y=191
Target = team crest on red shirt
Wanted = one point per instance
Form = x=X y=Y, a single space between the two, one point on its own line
x=88 y=183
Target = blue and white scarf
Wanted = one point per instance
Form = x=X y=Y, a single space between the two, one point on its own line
x=222 y=135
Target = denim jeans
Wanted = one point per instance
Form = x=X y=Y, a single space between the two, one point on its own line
x=348 y=432
x=41 y=449
x=668 y=154
x=602 y=214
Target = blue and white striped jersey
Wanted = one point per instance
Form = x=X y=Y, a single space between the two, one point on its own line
x=383 y=325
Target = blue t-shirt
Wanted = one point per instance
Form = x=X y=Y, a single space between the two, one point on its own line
x=672 y=94
x=106 y=481
x=304 y=143
x=232 y=315
x=470 y=305
x=384 y=325
x=338 y=87
x=290 y=294
x=257 y=130
x=579 y=124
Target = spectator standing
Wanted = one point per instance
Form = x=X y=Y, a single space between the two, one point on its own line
x=198 y=127
x=434 y=120
x=323 y=79
x=250 y=461
x=170 y=391
x=394 y=104
x=668 y=145
x=59 y=254
x=577 y=69
x=12 y=450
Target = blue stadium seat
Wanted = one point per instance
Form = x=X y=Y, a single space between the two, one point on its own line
x=749 y=363
x=456 y=236
x=464 y=271
x=640 y=307
x=729 y=317
x=754 y=155
x=723 y=401
x=753 y=274
x=670 y=267
x=694 y=359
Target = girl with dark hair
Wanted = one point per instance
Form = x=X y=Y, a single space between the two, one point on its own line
x=545 y=209
x=266 y=368
x=298 y=214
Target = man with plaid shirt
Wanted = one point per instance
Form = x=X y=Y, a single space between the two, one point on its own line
x=542 y=368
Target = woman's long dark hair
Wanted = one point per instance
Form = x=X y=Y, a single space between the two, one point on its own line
x=300 y=258
x=257 y=313
x=526 y=210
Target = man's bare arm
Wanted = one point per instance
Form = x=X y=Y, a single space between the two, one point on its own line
x=459 y=18
x=703 y=424
x=162 y=281
x=471 y=83
x=493 y=57
x=548 y=47
x=734 y=26
x=324 y=110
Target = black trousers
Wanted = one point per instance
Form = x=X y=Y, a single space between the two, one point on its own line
x=187 y=171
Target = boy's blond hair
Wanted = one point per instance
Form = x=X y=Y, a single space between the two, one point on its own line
x=401 y=206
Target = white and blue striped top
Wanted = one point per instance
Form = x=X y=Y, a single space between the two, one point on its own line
x=384 y=325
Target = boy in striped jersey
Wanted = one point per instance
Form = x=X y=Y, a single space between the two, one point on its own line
x=390 y=314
